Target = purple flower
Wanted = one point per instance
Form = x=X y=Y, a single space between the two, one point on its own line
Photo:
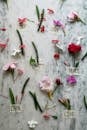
x=58 y=23
x=71 y=80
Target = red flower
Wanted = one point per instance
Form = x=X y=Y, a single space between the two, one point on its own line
x=3 y=29
x=56 y=56
x=55 y=41
x=46 y=116
x=42 y=29
x=58 y=81
x=73 y=48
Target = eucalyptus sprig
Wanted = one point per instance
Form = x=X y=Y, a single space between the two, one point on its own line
x=36 y=103
x=34 y=62
x=65 y=102
x=21 y=42
x=85 y=102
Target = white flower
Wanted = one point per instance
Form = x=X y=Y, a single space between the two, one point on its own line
x=16 y=52
x=32 y=124
x=46 y=84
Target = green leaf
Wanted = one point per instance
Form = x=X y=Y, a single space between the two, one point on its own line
x=36 y=51
x=21 y=42
x=84 y=56
x=85 y=103
x=33 y=96
x=36 y=103
x=24 y=86
x=41 y=20
x=77 y=64
x=33 y=62
x=38 y=12
x=54 y=117
x=11 y=95
x=5 y=1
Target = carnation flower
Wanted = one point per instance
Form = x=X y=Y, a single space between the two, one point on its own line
x=71 y=80
x=46 y=84
x=73 y=48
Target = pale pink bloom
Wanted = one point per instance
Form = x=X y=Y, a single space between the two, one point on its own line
x=46 y=84
x=3 y=45
x=10 y=66
x=57 y=23
x=22 y=21
x=20 y=71
x=46 y=116
x=73 y=16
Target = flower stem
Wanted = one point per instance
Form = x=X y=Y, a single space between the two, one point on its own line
x=21 y=42
x=41 y=20
x=82 y=21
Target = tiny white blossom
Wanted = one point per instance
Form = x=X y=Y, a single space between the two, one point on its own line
x=32 y=124
x=16 y=52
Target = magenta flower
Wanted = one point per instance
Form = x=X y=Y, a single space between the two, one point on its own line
x=71 y=80
x=58 y=24
x=22 y=21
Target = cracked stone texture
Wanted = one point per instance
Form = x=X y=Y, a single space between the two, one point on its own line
x=8 y=18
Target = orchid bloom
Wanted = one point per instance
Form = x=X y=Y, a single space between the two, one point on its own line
x=32 y=124
x=10 y=66
x=71 y=80
x=22 y=21
x=16 y=52
x=46 y=84
x=74 y=16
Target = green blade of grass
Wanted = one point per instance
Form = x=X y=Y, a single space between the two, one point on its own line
x=11 y=95
x=38 y=12
x=85 y=103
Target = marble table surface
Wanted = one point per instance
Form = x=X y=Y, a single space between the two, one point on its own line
x=9 y=19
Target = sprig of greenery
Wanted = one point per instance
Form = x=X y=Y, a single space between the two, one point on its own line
x=85 y=55
x=21 y=42
x=36 y=103
x=11 y=95
x=41 y=20
x=38 y=12
x=85 y=103
x=23 y=88
x=34 y=62
x=65 y=103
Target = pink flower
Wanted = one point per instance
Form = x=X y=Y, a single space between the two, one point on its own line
x=50 y=11
x=3 y=45
x=20 y=71
x=73 y=17
x=56 y=56
x=71 y=80
x=3 y=29
x=55 y=41
x=42 y=28
x=22 y=46
x=58 y=24
x=46 y=116
x=22 y=21
x=10 y=66
x=46 y=84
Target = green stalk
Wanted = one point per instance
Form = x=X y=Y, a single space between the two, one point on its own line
x=85 y=103
x=21 y=42
x=11 y=95
x=38 y=12
x=41 y=20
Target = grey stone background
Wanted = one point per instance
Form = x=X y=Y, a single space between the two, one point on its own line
x=8 y=18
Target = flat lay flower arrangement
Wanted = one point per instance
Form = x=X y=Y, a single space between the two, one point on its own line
x=47 y=85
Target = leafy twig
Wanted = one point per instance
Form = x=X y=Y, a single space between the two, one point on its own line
x=21 y=42
x=38 y=12
x=36 y=103
x=41 y=20
x=85 y=103
x=11 y=95
x=23 y=89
